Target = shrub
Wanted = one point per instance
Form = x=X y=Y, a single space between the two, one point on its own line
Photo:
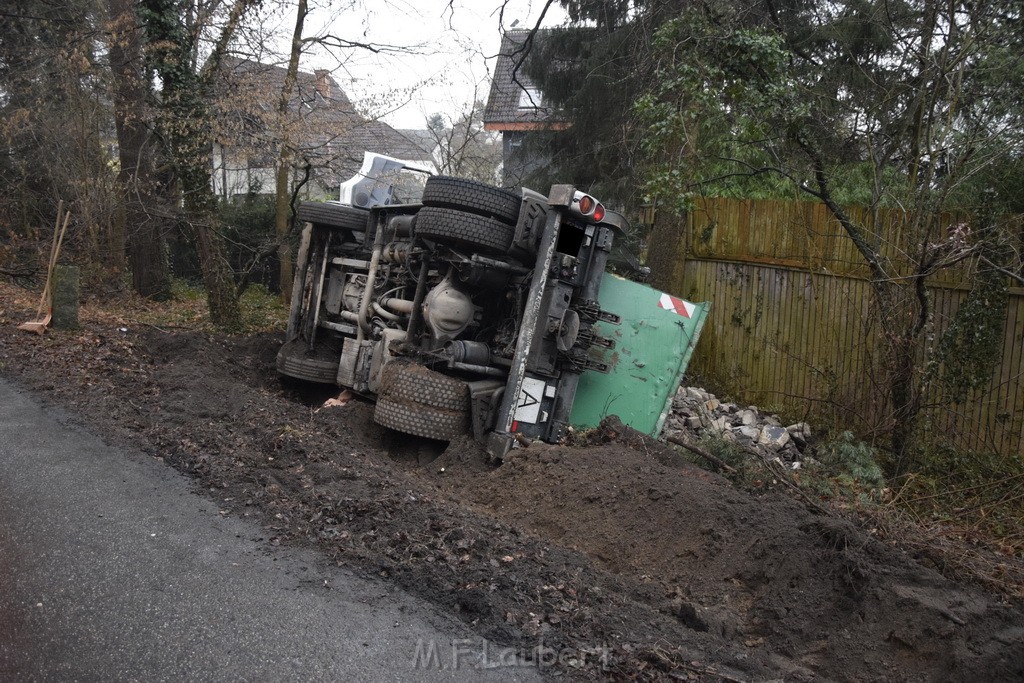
x=846 y=468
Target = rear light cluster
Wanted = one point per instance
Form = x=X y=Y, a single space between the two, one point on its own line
x=588 y=207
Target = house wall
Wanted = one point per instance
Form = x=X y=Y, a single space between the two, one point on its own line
x=233 y=174
x=520 y=158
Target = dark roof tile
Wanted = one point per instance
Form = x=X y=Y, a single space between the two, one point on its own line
x=503 y=102
x=327 y=129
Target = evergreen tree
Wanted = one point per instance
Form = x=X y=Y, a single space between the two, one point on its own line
x=904 y=103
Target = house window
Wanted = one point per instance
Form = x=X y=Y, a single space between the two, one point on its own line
x=530 y=98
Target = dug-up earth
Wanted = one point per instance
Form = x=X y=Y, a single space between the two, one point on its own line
x=613 y=552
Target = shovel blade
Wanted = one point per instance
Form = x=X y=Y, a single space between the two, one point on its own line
x=37 y=326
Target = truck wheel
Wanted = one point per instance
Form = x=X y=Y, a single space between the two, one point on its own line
x=321 y=365
x=462 y=229
x=420 y=420
x=412 y=383
x=333 y=215
x=416 y=400
x=473 y=197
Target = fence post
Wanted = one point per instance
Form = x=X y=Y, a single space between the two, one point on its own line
x=65 y=297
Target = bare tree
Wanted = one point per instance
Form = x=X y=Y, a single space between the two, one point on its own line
x=283 y=177
x=52 y=116
x=461 y=146
x=176 y=33
x=137 y=150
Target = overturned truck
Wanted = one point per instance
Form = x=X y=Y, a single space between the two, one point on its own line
x=478 y=310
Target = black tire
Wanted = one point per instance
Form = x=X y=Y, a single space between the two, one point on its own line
x=420 y=420
x=321 y=365
x=461 y=229
x=412 y=383
x=415 y=400
x=473 y=197
x=333 y=215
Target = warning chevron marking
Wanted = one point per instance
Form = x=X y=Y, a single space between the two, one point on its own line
x=671 y=303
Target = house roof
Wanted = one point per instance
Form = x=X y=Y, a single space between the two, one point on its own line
x=324 y=125
x=421 y=137
x=514 y=103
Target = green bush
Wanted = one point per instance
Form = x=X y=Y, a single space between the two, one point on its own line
x=248 y=225
x=851 y=460
x=749 y=471
x=845 y=468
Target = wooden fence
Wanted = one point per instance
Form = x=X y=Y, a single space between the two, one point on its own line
x=792 y=328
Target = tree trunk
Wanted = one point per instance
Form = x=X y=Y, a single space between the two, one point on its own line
x=284 y=164
x=282 y=228
x=905 y=407
x=192 y=154
x=184 y=122
x=220 y=291
x=143 y=232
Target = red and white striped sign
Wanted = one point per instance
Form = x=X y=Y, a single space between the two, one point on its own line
x=671 y=303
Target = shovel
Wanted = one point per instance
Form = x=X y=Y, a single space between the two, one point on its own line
x=39 y=326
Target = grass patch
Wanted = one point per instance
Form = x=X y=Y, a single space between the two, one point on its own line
x=260 y=310
x=981 y=493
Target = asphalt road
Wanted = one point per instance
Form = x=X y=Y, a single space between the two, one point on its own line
x=112 y=568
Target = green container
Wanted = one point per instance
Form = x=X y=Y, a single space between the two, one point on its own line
x=653 y=345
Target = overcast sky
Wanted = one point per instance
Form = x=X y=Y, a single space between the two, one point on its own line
x=452 y=43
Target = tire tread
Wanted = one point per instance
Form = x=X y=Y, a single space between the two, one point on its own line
x=320 y=367
x=473 y=197
x=333 y=215
x=420 y=420
x=459 y=228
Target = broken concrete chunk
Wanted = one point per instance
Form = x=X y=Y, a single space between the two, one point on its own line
x=801 y=431
x=698 y=410
x=801 y=428
x=748 y=417
x=774 y=437
x=752 y=433
x=696 y=394
x=791 y=452
x=673 y=422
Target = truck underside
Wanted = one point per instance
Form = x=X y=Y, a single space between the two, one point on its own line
x=474 y=311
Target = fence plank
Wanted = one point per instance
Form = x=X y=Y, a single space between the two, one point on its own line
x=792 y=324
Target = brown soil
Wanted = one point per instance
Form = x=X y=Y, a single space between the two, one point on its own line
x=613 y=543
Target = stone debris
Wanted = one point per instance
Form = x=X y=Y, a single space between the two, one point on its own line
x=698 y=411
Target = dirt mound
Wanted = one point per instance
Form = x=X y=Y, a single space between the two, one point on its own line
x=764 y=570
x=616 y=555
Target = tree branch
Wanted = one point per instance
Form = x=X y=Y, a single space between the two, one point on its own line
x=871 y=256
x=226 y=34
x=527 y=45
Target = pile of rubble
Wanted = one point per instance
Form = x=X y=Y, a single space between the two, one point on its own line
x=697 y=411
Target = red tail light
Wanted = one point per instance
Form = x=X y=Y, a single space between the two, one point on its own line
x=586 y=205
